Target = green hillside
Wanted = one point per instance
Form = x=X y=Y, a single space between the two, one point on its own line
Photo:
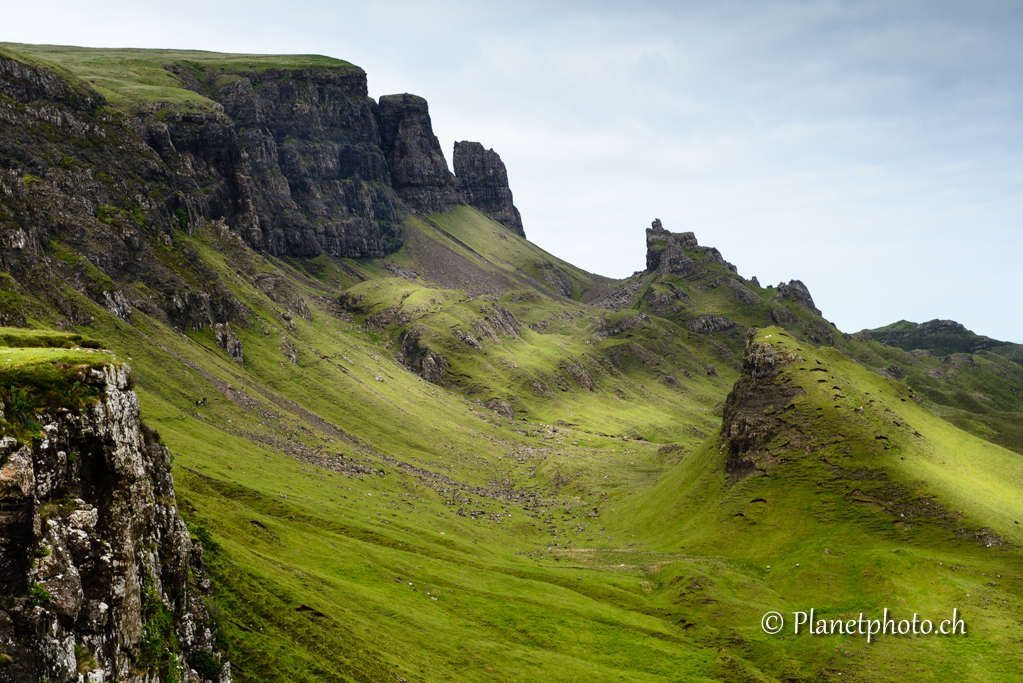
x=144 y=80
x=468 y=460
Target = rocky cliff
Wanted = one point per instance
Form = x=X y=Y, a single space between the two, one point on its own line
x=483 y=184
x=666 y=252
x=99 y=580
x=297 y=152
x=419 y=172
x=796 y=291
x=294 y=162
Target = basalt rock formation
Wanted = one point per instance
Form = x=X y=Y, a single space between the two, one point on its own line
x=294 y=162
x=98 y=575
x=666 y=252
x=483 y=183
x=298 y=156
x=419 y=172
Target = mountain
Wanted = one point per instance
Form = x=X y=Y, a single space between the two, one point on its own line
x=414 y=446
x=939 y=337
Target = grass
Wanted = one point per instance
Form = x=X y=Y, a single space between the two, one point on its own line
x=361 y=523
x=134 y=79
x=42 y=370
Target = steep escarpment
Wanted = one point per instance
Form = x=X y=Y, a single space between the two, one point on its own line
x=294 y=161
x=297 y=152
x=483 y=182
x=98 y=574
x=419 y=173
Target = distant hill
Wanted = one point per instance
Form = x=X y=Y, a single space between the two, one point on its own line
x=940 y=337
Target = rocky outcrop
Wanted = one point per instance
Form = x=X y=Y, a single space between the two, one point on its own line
x=606 y=328
x=419 y=172
x=666 y=252
x=298 y=156
x=287 y=161
x=501 y=407
x=99 y=578
x=750 y=420
x=742 y=294
x=228 y=342
x=796 y=291
x=501 y=320
x=580 y=374
x=483 y=184
x=420 y=358
x=706 y=324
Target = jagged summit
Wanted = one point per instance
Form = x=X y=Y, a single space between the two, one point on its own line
x=666 y=251
x=419 y=172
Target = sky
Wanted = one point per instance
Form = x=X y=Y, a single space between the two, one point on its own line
x=873 y=150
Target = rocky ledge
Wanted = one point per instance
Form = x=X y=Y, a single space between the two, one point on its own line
x=99 y=580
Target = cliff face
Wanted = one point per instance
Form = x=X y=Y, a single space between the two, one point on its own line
x=483 y=183
x=291 y=165
x=299 y=155
x=796 y=291
x=98 y=575
x=294 y=163
x=419 y=172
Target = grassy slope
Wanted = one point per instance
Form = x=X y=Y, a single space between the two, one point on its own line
x=331 y=484
x=841 y=524
x=328 y=545
x=316 y=556
x=981 y=393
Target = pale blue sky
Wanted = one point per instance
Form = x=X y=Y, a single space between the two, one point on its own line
x=873 y=150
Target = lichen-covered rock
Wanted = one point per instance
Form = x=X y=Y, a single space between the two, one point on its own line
x=483 y=184
x=93 y=547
